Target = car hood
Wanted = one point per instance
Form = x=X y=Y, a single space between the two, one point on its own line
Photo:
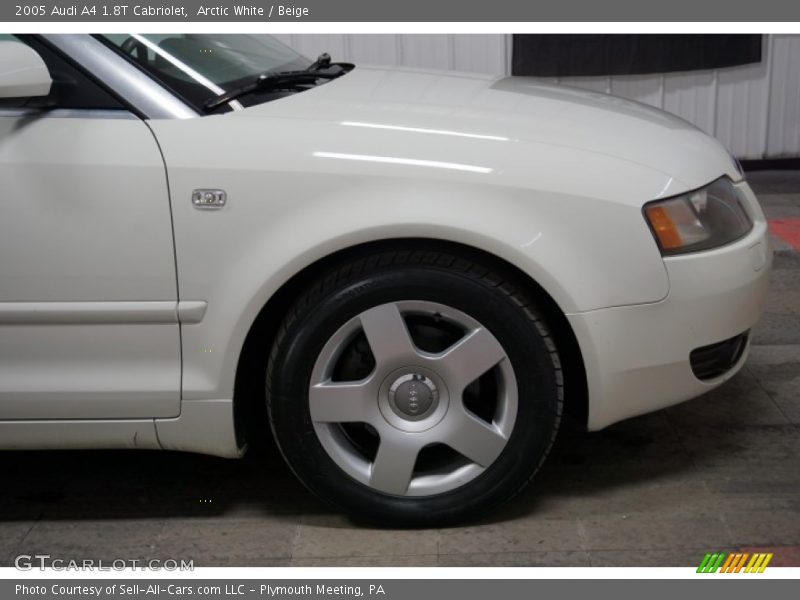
x=481 y=120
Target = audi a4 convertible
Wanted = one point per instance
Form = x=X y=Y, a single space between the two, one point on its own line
x=407 y=277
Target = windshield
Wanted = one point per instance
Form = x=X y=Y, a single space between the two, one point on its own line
x=198 y=66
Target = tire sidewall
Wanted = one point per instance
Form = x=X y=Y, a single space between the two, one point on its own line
x=510 y=321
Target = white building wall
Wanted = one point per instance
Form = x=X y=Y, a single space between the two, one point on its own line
x=754 y=110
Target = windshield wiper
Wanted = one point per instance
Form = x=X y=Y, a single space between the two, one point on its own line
x=323 y=62
x=322 y=68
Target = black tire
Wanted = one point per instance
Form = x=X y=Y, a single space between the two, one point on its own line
x=470 y=284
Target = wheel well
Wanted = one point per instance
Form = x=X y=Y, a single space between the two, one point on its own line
x=249 y=387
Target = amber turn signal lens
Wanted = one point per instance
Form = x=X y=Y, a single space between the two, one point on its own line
x=664 y=227
x=706 y=218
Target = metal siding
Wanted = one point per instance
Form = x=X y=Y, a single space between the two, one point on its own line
x=482 y=53
x=783 y=132
x=475 y=53
x=692 y=96
x=379 y=49
x=741 y=108
x=642 y=88
x=312 y=45
x=427 y=51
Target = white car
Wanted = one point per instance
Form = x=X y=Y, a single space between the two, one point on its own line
x=417 y=273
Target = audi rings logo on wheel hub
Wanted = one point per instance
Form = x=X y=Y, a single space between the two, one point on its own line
x=413 y=396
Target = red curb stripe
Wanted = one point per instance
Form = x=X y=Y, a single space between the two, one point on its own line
x=788 y=230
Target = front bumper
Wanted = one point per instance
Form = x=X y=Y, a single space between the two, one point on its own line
x=637 y=357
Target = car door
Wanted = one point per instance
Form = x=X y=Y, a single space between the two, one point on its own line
x=88 y=294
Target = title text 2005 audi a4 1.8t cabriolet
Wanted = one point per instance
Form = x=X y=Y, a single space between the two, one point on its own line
x=416 y=273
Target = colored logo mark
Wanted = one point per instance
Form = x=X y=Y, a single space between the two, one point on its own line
x=735 y=562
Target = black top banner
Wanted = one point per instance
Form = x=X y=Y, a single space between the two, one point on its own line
x=260 y=11
x=550 y=55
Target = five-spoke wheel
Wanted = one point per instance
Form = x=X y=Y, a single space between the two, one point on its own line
x=418 y=391
x=413 y=399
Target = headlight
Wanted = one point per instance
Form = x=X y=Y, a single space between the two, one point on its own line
x=706 y=218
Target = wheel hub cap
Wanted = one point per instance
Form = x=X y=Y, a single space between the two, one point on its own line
x=413 y=396
x=413 y=400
